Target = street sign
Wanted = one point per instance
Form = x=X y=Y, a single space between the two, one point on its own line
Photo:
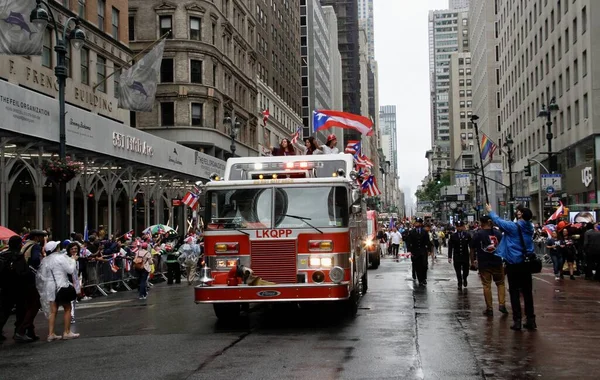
x=523 y=199
x=554 y=180
x=550 y=190
x=551 y=204
x=462 y=180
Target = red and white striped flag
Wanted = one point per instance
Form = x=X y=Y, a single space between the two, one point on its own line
x=128 y=235
x=113 y=264
x=558 y=213
x=353 y=147
x=363 y=162
x=190 y=200
x=127 y=265
x=296 y=135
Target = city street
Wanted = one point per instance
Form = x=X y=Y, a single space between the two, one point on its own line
x=401 y=332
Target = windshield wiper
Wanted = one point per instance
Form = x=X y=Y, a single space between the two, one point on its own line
x=302 y=218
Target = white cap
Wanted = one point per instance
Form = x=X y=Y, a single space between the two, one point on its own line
x=51 y=246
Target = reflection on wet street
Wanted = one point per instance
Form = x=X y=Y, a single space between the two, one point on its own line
x=402 y=331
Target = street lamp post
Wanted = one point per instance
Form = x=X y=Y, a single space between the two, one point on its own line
x=234 y=128
x=547 y=113
x=508 y=144
x=40 y=18
x=475 y=170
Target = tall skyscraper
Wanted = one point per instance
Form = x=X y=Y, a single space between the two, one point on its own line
x=366 y=19
x=387 y=120
x=458 y=4
x=462 y=137
x=448 y=33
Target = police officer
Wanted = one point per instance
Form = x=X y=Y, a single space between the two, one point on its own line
x=458 y=249
x=419 y=245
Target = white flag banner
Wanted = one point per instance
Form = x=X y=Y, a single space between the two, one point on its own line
x=18 y=36
x=137 y=85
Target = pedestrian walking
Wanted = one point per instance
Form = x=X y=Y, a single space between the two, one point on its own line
x=483 y=257
x=458 y=250
x=552 y=245
x=517 y=239
x=12 y=267
x=382 y=238
x=567 y=248
x=395 y=239
x=591 y=247
x=419 y=245
x=141 y=264
x=173 y=266
x=55 y=288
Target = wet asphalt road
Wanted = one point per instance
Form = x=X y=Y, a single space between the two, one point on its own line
x=401 y=332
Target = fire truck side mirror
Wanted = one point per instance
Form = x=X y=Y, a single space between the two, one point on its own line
x=356 y=196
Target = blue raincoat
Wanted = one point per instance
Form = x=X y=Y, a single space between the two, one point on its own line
x=510 y=248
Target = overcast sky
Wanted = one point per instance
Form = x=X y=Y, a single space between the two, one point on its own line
x=402 y=53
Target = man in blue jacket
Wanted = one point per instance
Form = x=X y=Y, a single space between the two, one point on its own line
x=511 y=250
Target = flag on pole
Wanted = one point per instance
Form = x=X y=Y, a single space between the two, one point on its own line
x=86 y=233
x=128 y=235
x=325 y=119
x=558 y=213
x=353 y=147
x=488 y=147
x=266 y=116
x=18 y=35
x=296 y=135
x=363 y=161
x=369 y=186
x=137 y=85
x=190 y=199
x=392 y=225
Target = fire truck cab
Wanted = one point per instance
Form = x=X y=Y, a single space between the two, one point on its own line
x=284 y=229
x=372 y=243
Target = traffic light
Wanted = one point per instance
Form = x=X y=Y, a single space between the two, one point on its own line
x=438 y=175
x=527 y=170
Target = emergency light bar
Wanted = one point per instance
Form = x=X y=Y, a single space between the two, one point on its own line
x=270 y=166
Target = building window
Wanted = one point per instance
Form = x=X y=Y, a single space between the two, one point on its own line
x=575 y=71
x=583 y=20
x=576 y=113
x=586 y=110
x=81 y=8
x=568 y=79
x=132 y=119
x=166 y=70
x=197 y=114
x=101 y=13
x=195 y=71
x=47 y=49
x=101 y=73
x=214 y=75
x=166 y=23
x=68 y=60
x=167 y=114
x=116 y=77
x=115 y=23
x=584 y=63
x=131 y=25
x=195 y=29
x=85 y=63
x=214 y=33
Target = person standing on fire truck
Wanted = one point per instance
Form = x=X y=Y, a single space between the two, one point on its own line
x=419 y=245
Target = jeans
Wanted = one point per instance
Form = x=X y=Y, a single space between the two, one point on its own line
x=520 y=281
x=395 y=248
x=497 y=275
x=143 y=286
x=557 y=262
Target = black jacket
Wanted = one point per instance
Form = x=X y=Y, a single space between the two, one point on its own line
x=458 y=247
x=418 y=243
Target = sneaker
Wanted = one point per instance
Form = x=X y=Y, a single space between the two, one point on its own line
x=459 y=287
x=72 y=320
x=141 y=298
x=556 y=278
x=488 y=312
x=22 y=338
x=502 y=309
x=86 y=298
x=113 y=291
x=465 y=282
x=70 y=335
x=53 y=337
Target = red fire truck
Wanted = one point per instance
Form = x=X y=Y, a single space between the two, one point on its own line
x=284 y=229
x=371 y=243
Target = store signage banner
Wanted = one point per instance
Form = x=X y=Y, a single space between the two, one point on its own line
x=28 y=113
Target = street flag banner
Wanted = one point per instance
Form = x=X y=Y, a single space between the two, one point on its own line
x=86 y=233
x=19 y=36
x=265 y=115
x=558 y=213
x=137 y=85
x=392 y=225
x=190 y=199
x=296 y=135
x=363 y=161
x=369 y=187
x=325 y=119
x=487 y=147
x=353 y=147
x=128 y=235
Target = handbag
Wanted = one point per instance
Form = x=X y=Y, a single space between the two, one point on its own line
x=65 y=294
x=533 y=263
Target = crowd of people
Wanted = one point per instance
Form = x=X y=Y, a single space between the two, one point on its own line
x=37 y=273
x=310 y=146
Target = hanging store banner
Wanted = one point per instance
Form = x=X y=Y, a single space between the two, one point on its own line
x=28 y=113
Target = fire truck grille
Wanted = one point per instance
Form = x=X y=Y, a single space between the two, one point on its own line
x=274 y=261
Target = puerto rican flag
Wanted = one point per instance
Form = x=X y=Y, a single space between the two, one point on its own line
x=113 y=264
x=190 y=199
x=128 y=235
x=363 y=161
x=369 y=186
x=558 y=213
x=296 y=135
x=353 y=147
x=325 y=119
x=265 y=115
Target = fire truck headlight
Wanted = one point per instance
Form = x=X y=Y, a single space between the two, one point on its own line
x=318 y=277
x=369 y=243
x=326 y=262
x=258 y=166
x=221 y=264
x=336 y=274
x=315 y=262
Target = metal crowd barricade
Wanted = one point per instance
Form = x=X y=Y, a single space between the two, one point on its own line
x=99 y=274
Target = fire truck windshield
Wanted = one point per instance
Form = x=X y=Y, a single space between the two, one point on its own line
x=282 y=207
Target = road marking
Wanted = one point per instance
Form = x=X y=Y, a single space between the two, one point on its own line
x=97 y=305
x=539 y=279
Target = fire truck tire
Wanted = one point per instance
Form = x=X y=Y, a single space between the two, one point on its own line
x=352 y=303
x=365 y=279
x=227 y=311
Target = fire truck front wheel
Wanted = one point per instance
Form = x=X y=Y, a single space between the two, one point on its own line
x=227 y=311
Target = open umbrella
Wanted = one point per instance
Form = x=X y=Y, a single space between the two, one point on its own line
x=6 y=234
x=158 y=228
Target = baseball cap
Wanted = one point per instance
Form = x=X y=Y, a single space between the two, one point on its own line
x=51 y=246
x=331 y=137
